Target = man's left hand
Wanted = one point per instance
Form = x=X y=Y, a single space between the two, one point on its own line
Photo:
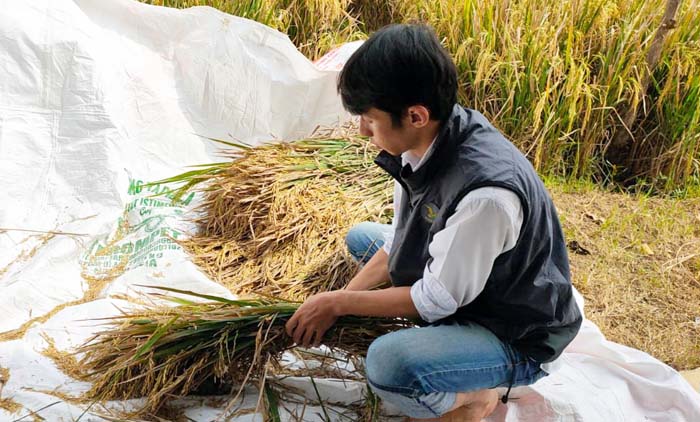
x=313 y=318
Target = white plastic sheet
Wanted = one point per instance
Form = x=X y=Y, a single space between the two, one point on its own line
x=98 y=97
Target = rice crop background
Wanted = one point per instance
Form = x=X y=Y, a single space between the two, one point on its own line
x=557 y=77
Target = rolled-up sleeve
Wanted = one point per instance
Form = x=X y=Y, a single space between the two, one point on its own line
x=486 y=223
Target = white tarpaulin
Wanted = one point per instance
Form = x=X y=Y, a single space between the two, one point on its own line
x=98 y=97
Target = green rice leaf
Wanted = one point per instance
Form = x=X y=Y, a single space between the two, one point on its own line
x=154 y=338
x=205 y=296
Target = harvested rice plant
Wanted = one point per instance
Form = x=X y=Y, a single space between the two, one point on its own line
x=274 y=220
x=271 y=225
x=169 y=352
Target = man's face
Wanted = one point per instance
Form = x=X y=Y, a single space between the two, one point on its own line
x=378 y=126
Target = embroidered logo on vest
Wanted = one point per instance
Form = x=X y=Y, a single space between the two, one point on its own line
x=429 y=212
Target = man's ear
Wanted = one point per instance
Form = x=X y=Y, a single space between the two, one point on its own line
x=418 y=116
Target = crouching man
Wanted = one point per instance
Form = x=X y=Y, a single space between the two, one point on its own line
x=476 y=249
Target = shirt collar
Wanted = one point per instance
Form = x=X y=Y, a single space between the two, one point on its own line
x=409 y=158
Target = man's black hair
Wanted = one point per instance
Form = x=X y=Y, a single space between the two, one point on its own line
x=397 y=67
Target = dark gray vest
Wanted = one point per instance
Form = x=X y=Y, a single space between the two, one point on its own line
x=528 y=300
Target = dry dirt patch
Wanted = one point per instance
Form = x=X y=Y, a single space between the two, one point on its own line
x=636 y=260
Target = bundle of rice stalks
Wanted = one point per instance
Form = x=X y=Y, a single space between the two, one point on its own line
x=274 y=219
x=165 y=352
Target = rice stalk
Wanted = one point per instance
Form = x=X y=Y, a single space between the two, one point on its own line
x=164 y=352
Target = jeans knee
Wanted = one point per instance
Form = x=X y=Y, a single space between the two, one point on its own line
x=357 y=233
x=356 y=239
x=377 y=355
x=351 y=237
x=386 y=364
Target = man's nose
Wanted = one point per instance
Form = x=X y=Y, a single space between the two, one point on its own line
x=364 y=129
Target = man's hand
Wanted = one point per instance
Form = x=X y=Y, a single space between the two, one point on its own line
x=313 y=318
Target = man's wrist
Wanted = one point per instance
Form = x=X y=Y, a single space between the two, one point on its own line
x=340 y=301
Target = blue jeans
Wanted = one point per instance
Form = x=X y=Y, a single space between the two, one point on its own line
x=420 y=370
x=365 y=239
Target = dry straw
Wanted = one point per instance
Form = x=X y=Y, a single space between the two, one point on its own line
x=274 y=220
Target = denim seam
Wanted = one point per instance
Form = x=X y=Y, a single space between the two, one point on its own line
x=430 y=409
x=406 y=391
x=415 y=392
x=421 y=378
x=418 y=399
x=412 y=391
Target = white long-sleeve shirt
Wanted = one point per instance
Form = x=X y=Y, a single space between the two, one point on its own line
x=485 y=224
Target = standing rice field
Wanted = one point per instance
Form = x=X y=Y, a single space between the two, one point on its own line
x=569 y=82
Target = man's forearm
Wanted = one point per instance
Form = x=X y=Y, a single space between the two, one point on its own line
x=375 y=273
x=390 y=302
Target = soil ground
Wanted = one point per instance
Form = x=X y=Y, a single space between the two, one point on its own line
x=636 y=260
